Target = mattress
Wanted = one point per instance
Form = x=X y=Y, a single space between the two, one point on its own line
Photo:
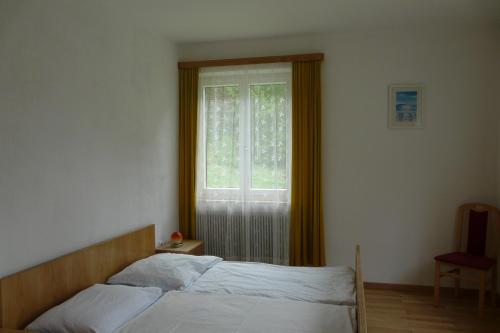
x=185 y=312
x=329 y=285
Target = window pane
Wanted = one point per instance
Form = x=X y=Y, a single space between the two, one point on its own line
x=222 y=136
x=268 y=107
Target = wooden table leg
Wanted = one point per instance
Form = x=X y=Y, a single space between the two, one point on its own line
x=457 y=282
x=482 y=289
x=437 y=282
x=494 y=286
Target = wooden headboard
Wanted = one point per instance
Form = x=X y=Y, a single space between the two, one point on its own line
x=27 y=294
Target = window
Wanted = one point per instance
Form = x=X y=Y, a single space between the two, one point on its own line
x=222 y=132
x=269 y=117
x=244 y=134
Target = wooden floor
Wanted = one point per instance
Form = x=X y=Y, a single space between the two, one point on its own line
x=391 y=311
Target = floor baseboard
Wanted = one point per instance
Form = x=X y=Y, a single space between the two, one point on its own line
x=419 y=288
x=397 y=286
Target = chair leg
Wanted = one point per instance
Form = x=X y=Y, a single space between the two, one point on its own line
x=437 y=283
x=457 y=282
x=494 y=286
x=482 y=289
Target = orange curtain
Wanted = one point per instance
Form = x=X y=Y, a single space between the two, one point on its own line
x=307 y=245
x=188 y=114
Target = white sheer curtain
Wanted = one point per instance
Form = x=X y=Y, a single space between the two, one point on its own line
x=243 y=162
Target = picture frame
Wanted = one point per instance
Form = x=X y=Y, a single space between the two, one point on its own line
x=406 y=106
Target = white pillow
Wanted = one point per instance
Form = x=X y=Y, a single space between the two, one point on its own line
x=97 y=309
x=168 y=271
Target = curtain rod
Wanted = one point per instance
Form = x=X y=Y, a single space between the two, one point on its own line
x=251 y=61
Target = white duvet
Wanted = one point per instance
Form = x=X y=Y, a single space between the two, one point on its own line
x=330 y=285
x=184 y=312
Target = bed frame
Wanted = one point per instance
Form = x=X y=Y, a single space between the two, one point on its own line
x=360 y=295
x=27 y=294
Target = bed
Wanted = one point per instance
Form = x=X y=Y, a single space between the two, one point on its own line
x=27 y=294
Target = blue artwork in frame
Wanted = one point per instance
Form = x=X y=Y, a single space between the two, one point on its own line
x=405 y=106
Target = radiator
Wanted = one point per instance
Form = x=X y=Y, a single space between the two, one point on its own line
x=260 y=238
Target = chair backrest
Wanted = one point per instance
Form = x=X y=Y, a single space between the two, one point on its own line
x=478 y=229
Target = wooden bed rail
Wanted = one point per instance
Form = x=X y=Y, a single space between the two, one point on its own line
x=360 y=295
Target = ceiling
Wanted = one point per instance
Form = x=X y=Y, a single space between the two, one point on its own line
x=210 y=20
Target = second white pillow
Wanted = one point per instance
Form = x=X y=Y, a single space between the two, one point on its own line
x=168 y=271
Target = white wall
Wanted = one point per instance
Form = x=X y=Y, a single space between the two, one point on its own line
x=88 y=129
x=395 y=191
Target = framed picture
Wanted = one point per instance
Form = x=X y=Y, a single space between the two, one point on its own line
x=405 y=106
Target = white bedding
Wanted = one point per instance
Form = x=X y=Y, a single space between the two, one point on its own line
x=168 y=271
x=98 y=309
x=184 y=312
x=330 y=285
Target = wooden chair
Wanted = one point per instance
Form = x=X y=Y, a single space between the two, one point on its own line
x=476 y=250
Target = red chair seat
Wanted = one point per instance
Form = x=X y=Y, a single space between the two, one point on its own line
x=467 y=260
